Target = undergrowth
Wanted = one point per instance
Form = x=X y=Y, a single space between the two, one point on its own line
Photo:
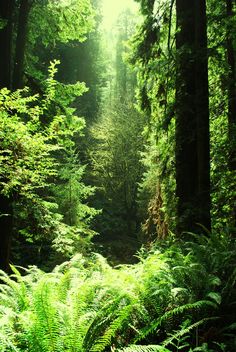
x=181 y=296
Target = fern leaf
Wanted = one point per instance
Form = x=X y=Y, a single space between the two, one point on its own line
x=185 y=331
x=148 y=348
x=170 y=314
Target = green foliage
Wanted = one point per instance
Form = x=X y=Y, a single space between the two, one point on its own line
x=53 y=22
x=85 y=61
x=85 y=305
x=60 y=20
x=35 y=155
x=26 y=161
x=117 y=169
x=149 y=348
x=152 y=54
x=223 y=179
x=70 y=194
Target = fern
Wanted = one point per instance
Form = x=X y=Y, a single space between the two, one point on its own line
x=46 y=325
x=117 y=324
x=168 y=315
x=16 y=289
x=149 y=348
x=85 y=305
x=185 y=331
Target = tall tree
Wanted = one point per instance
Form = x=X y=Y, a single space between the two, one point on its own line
x=6 y=14
x=50 y=21
x=231 y=84
x=192 y=117
x=21 y=43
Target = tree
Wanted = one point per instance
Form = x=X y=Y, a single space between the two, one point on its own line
x=231 y=83
x=186 y=99
x=21 y=43
x=152 y=54
x=32 y=19
x=192 y=117
x=6 y=14
x=115 y=152
x=117 y=170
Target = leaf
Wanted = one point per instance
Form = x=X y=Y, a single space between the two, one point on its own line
x=215 y=296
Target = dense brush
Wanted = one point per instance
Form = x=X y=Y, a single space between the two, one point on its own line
x=179 y=297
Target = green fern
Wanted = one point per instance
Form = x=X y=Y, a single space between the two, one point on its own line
x=186 y=330
x=117 y=324
x=85 y=305
x=149 y=348
x=189 y=308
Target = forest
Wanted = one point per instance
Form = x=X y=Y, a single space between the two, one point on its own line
x=117 y=176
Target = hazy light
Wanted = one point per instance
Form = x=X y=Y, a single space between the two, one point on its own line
x=112 y=8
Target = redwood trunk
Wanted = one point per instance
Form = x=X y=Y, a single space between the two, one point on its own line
x=231 y=90
x=192 y=117
x=6 y=12
x=202 y=115
x=20 y=44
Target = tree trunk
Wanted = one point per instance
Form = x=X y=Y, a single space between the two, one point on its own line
x=192 y=117
x=231 y=89
x=6 y=231
x=231 y=58
x=186 y=124
x=20 y=44
x=6 y=13
x=202 y=114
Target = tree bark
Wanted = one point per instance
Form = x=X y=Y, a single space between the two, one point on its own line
x=231 y=89
x=202 y=115
x=6 y=13
x=20 y=44
x=6 y=213
x=6 y=222
x=192 y=117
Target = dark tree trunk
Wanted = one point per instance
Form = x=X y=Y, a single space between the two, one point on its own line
x=186 y=149
x=192 y=117
x=6 y=12
x=231 y=58
x=231 y=89
x=202 y=115
x=6 y=231
x=20 y=44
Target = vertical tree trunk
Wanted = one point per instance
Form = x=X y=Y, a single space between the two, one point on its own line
x=192 y=117
x=6 y=12
x=231 y=89
x=6 y=222
x=231 y=58
x=20 y=44
x=186 y=124
x=202 y=115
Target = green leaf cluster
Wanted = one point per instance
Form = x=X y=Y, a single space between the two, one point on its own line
x=37 y=152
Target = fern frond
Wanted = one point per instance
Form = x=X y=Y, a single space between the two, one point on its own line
x=186 y=331
x=148 y=348
x=111 y=331
x=170 y=314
